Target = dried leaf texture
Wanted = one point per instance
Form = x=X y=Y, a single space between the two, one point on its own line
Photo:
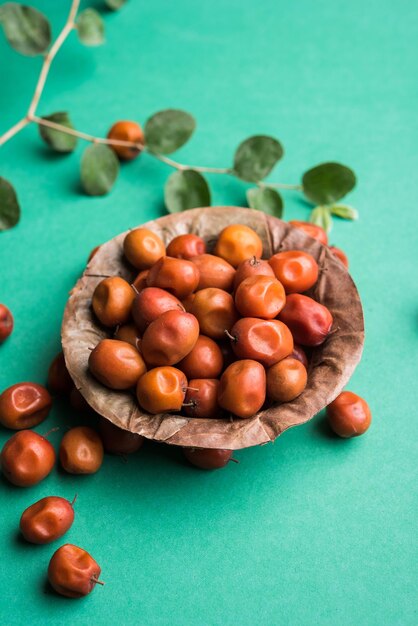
x=331 y=364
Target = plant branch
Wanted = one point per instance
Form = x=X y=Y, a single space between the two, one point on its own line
x=14 y=130
x=281 y=186
x=181 y=166
x=160 y=157
x=49 y=57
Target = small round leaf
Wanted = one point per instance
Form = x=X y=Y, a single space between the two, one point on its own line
x=322 y=217
x=265 y=199
x=255 y=158
x=27 y=30
x=58 y=140
x=99 y=169
x=344 y=211
x=166 y=131
x=9 y=205
x=90 y=28
x=186 y=189
x=328 y=182
x=115 y=5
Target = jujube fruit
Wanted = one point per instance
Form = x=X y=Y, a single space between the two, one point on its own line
x=228 y=354
x=125 y=130
x=296 y=270
x=187 y=302
x=214 y=272
x=309 y=321
x=112 y=301
x=150 y=303
x=59 y=380
x=202 y=398
x=177 y=276
x=349 y=415
x=340 y=254
x=72 y=572
x=24 y=405
x=116 y=364
x=313 y=230
x=252 y=267
x=208 y=458
x=118 y=440
x=162 y=389
x=237 y=242
x=205 y=360
x=260 y=296
x=81 y=451
x=242 y=388
x=266 y=341
x=6 y=322
x=129 y=333
x=142 y=247
x=215 y=311
x=140 y=281
x=186 y=246
x=27 y=458
x=286 y=380
x=169 y=338
x=78 y=402
x=46 y=520
x=299 y=353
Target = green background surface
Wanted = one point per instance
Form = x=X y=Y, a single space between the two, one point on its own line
x=312 y=529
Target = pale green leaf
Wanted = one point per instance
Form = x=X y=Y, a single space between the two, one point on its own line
x=166 y=131
x=186 y=189
x=9 y=205
x=328 y=182
x=56 y=139
x=90 y=28
x=321 y=217
x=255 y=158
x=99 y=169
x=27 y=30
x=265 y=199
x=344 y=211
x=115 y=5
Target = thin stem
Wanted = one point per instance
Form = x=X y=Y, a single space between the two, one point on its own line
x=181 y=166
x=49 y=57
x=77 y=133
x=281 y=186
x=14 y=130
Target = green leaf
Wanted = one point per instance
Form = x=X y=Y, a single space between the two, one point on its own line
x=115 y=5
x=186 y=189
x=9 y=205
x=321 y=216
x=27 y=30
x=255 y=158
x=90 y=28
x=344 y=211
x=166 y=131
x=265 y=199
x=328 y=182
x=99 y=169
x=58 y=140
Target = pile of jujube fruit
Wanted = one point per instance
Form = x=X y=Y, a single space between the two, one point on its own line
x=211 y=335
x=208 y=335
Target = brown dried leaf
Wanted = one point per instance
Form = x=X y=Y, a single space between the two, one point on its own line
x=330 y=367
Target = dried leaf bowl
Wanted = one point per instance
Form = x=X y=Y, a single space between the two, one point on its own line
x=330 y=367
